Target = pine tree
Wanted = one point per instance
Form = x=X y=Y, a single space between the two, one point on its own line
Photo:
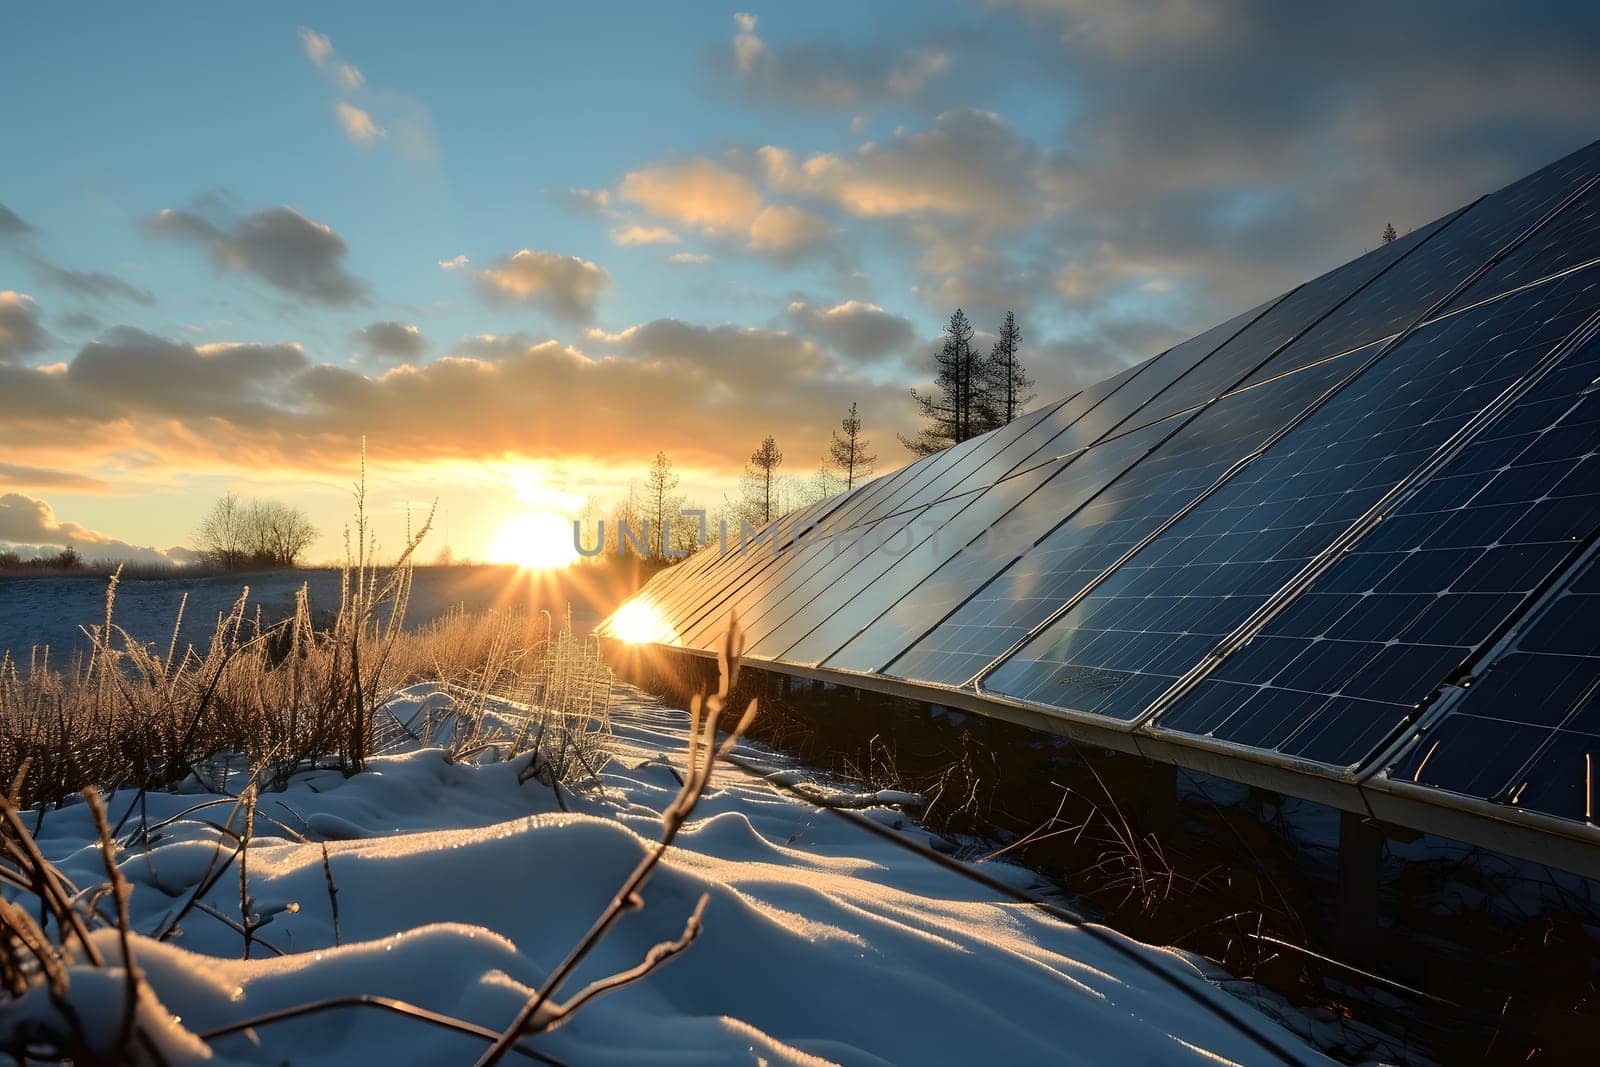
x=660 y=505
x=1014 y=393
x=764 y=463
x=962 y=403
x=849 y=454
x=1390 y=233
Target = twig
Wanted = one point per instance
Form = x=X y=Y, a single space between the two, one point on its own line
x=333 y=892
x=368 y=1000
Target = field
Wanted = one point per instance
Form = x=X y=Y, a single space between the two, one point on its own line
x=456 y=886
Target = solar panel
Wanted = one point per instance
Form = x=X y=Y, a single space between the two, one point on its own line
x=902 y=620
x=740 y=559
x=824 y=623
x=982 y=460
x=1147 y=624
x=1197 y=453
x=1526 y=733
x=1567 y=240
x=1404 y=609
x=1346 y=543
x=1133 y=403
x=814 y=580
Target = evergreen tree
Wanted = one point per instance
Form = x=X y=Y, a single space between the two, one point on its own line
x=849 y=454
x=762 y=470
x=1014 y=392
x=962 y=402
x=1390 y=233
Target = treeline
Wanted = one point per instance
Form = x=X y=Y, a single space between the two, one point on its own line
x=634 y=525
x=68 y=559
x=237 y=534
x=974 y=391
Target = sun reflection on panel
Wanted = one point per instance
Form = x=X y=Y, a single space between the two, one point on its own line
x=639 y=622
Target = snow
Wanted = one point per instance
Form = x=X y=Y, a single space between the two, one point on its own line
x=459 y=889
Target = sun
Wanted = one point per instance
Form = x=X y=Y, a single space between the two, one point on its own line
x=538 y=540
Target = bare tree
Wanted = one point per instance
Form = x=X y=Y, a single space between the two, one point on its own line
x=660 y=504
x=276 y=534
x=764 y=463
x=223 y=533
x=260 y=533
x=686 y=530
x=849 y=454
x=629 y=520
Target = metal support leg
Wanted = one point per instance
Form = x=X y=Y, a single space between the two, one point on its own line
x=1360 y=873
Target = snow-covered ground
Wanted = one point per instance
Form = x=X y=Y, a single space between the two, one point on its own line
x=459 y=890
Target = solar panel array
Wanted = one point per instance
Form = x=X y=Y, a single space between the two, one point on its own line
x=1350 y=533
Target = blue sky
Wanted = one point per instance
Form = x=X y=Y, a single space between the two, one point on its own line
x=235 y=237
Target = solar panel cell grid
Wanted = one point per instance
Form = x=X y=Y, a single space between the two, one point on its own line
x=1201 y=579
x=1527 y=733
x=1131 y=508
x=817 y=630
x=914 y=614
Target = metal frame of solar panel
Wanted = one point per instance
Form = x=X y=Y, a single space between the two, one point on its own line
x=1337 y=547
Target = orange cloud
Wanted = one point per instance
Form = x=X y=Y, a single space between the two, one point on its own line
x=698 y=192
x=169 y=406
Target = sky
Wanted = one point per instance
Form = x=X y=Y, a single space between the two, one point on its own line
x=520 y=248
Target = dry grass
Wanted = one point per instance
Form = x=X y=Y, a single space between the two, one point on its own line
x=285 y=696
x=43 y=959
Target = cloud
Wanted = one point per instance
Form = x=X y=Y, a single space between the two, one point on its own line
x=298 y=255
x=564 y=287
x=393 y=340
x=358 y=124
x=863 y=332
x=697 y=192
x=971 y=165
x=30 y=522
x=748 y=49
x=785 y=230
x=350 y=77
x=317 y=47
x=695 y=258
x=12 y=225
x=725 y=205
x=135 y=372
x=44 y=478
x=20 y=331
x=829 y=75
x=594 y=202
x=625 y=394
x=1242 y=147
x=456 y=262
x=90 y=284
x=1123 y=29
x=634 y=234
x=369 y=115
